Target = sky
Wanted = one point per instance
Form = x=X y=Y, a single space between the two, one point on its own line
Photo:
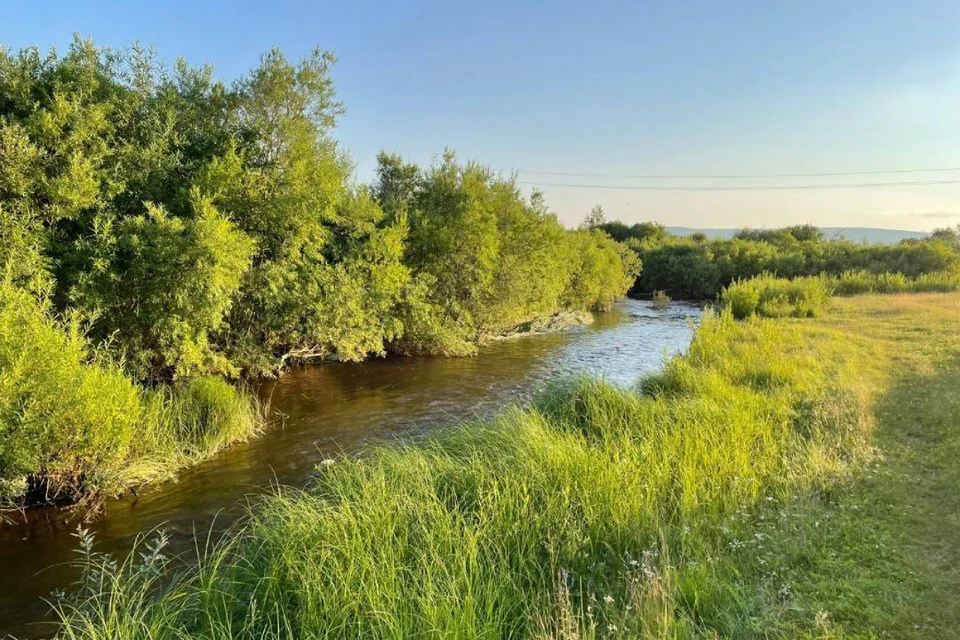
x=681 y=88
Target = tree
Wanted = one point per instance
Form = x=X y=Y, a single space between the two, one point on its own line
x=948 y=235
x=594 y=219
x=161 y=287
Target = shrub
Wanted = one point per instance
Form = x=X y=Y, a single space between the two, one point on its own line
x=858 y=282
x=701 y=269
x=742 y=298
x=660 y=299
x=774 y=297
x=941 y=282
x=72 y=423
x=66 y=421
x=160 y=287
x=851 y=283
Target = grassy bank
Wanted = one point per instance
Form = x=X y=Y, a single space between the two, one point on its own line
x=74 y=425
x=744 y=492
x=876 y=555
x=807 y=297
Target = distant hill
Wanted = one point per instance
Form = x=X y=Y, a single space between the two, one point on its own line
x=856 y=234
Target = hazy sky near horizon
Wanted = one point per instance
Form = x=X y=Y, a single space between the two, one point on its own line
x=689 y=87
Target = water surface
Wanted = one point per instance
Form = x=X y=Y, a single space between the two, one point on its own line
x=332 y=410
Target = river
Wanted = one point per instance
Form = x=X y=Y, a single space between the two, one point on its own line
x=325 y=411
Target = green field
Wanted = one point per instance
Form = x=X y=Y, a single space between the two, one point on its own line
x=785 y=478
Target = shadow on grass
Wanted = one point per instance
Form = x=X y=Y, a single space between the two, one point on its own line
x=878 y=555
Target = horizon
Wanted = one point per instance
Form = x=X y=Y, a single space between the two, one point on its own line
x=821 y=227
x=618 y=90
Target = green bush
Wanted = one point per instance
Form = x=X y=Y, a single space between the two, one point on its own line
x=857 y=282
x=485 y=260
x=73 y=423
x=742 y=298
x=851 y=283
x=160 y=288
x=210 y=227
x=701 y=269
x=936 y=283
x=661 y=300
x=65 y=421
x=774 y=297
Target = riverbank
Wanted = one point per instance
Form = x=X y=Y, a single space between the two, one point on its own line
x=560 y=321
x=74 y=426
x=329 y=411
x=251 y=247
x=139 y=436
x=600 y=513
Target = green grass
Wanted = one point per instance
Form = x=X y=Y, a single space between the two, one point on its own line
x=806 y=297
x=74 y=425
x=876 y=553
x=786 y=478
x=596 y=512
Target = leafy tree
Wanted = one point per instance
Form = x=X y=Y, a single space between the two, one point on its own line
x=602 y=270
x=700 y=268
x=161 y=287
x=639 y=231
x=485 y=259
x=594 y=219
x=948 y=235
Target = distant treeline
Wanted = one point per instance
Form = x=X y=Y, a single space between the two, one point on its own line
x=697 y=268
x=158 y=224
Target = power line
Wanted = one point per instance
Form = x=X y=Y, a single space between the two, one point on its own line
x=801 y=187
x=712 y=176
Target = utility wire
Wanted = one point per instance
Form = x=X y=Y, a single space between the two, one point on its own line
x=801 y=187
x=711 y=176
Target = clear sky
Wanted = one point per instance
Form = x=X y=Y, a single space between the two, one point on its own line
x=670 y=87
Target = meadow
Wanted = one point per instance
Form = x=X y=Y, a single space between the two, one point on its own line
x=768 y=483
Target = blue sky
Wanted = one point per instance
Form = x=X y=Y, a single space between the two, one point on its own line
x=685 y=87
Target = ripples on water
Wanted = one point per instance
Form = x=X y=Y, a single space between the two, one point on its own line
x=331 y=409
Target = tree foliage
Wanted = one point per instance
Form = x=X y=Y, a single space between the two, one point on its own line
x=485 y=258
x=699 y=268
x=160 y=225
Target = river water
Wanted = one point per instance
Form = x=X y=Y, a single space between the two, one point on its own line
x=331 y=410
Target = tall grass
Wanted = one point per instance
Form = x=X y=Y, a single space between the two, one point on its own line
x=72 y=423
x=862 y=282
x=773 y=297
x=594 y=512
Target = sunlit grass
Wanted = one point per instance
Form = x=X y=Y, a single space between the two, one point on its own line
x=773 y=297
x=73 y=424
x=595 y=512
